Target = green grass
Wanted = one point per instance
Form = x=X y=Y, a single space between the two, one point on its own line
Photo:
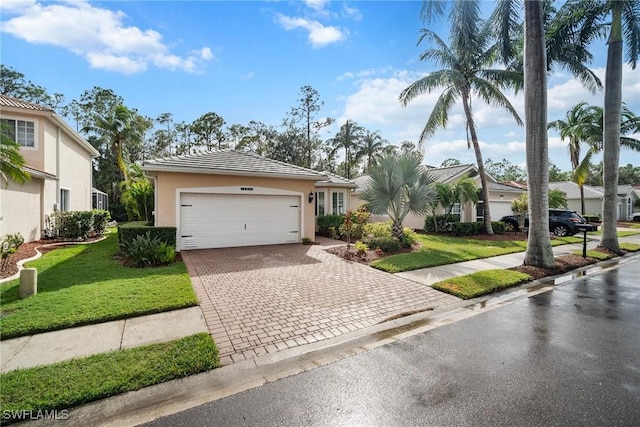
x=481 y=283
x=78 y=381
x=601 y=256
x=441 y=250
x=631 y=247
x=84 y=284
x=623 y=233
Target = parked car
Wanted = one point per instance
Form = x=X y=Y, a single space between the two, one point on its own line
x=562 y=222
x=635 y=217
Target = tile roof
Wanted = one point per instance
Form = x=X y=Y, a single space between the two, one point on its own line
x=496 y=186
x=449 y=173
x=335 y=181
x=7 y=101
x=623 y=189
x=231 y=162
x=573 y=191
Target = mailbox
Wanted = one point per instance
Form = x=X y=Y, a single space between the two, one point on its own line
x=584 y=228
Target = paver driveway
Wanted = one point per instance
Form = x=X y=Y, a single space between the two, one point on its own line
x=259 y=300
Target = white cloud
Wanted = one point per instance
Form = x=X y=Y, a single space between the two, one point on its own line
x=351 y=12
x=247 y=76
x=317 y=5
x=97 y=34
x=319 y=35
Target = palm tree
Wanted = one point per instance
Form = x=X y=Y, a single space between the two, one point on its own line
x=623 y=28
x=11 y=161
x=372 y=145
x=573 y=128
x=118 y=129
x=539 y=252
x=348 y=137
x=399 y=186
x=463 y=191
x=137 y=195
x=466 y=72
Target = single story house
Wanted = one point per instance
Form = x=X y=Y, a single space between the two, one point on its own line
x=232 y=198
x=593 y=197
x=333 y=196
x=500 y=196
x=59 y=161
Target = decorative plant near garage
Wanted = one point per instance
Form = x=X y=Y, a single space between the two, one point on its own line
x=9 y=245
x=147 y=251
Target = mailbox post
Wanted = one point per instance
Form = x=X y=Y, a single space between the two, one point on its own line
x=585 y=228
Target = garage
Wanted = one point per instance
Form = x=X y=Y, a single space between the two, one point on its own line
x=230 y=220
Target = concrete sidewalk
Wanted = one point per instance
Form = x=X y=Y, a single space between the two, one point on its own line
x=52 y=347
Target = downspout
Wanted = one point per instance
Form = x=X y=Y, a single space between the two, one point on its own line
x=58 y=139
x=155 y=199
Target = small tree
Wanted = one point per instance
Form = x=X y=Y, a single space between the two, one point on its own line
x=399 y=185
x=9 y=245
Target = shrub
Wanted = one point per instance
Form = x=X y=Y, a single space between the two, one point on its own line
x=377 y=229
x=444 y=222
x=466 y=228
x=100 y=220
x=325 y=222
x=499 y=227
x=386 y=244
x=354 y=222
x=409 y=237
x=126 y=232
x=592 y=218
x=146 y=251
x=9 y=245
x=71 y=225
x=361 y=247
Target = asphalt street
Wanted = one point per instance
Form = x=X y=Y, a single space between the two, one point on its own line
x=570 y=356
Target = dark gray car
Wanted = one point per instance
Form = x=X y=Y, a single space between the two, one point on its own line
x=562 y=222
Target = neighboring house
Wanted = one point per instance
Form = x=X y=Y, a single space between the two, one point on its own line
x=592 y=197
x=627 y=197
x=333 y=196
x=231 y=198
x=59 y=161
x=500 y=196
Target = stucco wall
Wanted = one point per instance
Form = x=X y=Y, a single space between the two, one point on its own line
x=167 y=185
x=20 y=209
x=75 y=174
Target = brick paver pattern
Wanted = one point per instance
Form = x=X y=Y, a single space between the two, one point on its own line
x=264 y=299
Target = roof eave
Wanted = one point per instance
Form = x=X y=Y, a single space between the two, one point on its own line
x=173 y=169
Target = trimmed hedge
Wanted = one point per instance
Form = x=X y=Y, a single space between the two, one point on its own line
x=445 y=222
x=592 y=218
x=127 y=232
x=77 y=224
x=386 y=244
x=325 y=222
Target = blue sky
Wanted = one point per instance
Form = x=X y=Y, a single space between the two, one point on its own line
x=248 y=60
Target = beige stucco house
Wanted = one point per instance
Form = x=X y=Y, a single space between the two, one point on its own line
x=59 y=161
x=500 y=196
x=333 y=196
x=232 y=198
x=593 y=197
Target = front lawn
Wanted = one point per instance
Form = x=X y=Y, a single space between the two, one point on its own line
x=441 y=250
x=79 y=381
x=481 y=283
x=83 y=284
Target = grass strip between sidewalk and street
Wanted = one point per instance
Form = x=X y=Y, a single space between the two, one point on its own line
x=631 y=247
x=442 y=250
x=86 y=284
x=481 y=283
x=74 y=382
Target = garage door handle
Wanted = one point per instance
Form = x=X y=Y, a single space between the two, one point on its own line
x=189 y=235
x=186 y=206
x=294 y=232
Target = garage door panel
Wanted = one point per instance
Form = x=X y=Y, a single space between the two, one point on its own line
x=223 y=220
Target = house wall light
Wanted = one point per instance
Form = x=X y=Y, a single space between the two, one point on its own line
x=311 y=197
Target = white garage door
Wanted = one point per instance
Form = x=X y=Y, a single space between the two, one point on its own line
x=226 y=220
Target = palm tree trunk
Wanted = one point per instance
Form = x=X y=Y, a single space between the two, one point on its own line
x=539 y=252
x=476 y=148
x=582 y=199
x=611 y=134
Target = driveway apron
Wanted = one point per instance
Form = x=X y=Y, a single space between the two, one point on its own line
x=263 y=299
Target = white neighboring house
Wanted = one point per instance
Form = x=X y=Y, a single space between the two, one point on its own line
x=593 y=196
x=59 y=161
x=500 y=196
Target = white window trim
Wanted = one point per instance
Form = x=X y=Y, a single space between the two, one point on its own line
x=68 y=207
x=344 y=202
x=35 y=131
x=324 y=202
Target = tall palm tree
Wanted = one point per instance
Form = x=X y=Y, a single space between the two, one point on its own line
x=348 y=137
x=371 y=147
x=572 y=127
x=466 y=72
x=118 y=129
x=539 y=252
x=399 y=186
x=11 y=161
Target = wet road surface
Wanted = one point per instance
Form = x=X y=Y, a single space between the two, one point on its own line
x=566 y=357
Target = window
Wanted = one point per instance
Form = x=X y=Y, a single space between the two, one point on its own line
x=457 y=210
x=337 y=203
x=21 y=131
x=64 y=200
x=480 y=211
x=319 y=203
